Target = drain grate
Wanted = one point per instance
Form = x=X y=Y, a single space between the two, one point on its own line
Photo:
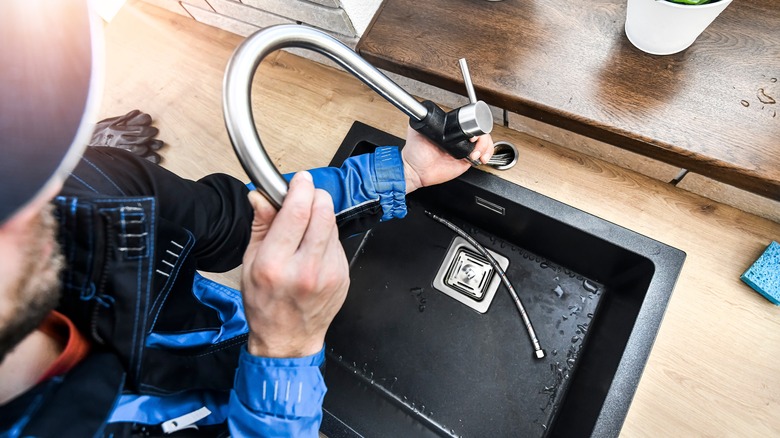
x=469 y=274
x=467 y=277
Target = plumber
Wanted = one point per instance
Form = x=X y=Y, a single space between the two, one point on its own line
x=106 y=329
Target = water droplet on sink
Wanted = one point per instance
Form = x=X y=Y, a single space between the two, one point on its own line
x=558 y=291
x=555 y=352
x=421 y=307
x=564 y=317
x=590 y=287
x=575 y=339
x=765 y=98
x=744 y=103
x=590 y=315
x=570 y=362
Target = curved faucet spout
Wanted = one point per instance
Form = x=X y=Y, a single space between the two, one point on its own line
x=237 y=105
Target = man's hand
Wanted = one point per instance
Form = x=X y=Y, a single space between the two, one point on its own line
x=426 y=164
x=295 y=275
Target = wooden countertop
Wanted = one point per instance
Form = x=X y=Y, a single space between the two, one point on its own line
x=713 y=370
x=569 y=63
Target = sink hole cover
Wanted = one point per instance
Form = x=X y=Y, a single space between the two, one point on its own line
x=467 y=277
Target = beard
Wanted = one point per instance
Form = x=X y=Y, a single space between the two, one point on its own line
x=36 y=291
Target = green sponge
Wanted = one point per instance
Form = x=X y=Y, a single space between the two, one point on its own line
x=764 y=275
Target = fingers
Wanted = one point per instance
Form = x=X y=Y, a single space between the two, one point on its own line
x=483 y=149
x=292 y=220
x=155 y=144
x=485 y=146
x=263 y=218
x=322 y=226
x=138 y=118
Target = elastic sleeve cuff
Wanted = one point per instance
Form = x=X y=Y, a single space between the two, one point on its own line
x=281 y=387
x=390 y=182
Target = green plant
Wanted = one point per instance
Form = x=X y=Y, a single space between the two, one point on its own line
x=692 y=2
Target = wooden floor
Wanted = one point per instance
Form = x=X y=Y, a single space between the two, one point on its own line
x=714 y=369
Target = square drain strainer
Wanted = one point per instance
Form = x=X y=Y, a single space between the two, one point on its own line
x=469 y=273
x=467 y=277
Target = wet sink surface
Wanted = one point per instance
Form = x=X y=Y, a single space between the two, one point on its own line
x=406 y=359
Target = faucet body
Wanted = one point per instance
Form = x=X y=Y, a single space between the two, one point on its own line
x=451 y=131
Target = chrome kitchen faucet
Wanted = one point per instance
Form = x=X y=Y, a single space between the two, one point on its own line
x=451 y=131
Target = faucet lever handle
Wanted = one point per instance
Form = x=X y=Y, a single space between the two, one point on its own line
x=464 y=68
x=452 y=131
x=475 y=118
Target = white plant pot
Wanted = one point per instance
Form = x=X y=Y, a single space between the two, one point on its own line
x=660 y=27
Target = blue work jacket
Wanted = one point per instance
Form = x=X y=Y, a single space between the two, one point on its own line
x=169 y=342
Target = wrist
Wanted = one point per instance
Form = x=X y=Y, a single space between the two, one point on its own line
x=411 y=177
x=283 y=350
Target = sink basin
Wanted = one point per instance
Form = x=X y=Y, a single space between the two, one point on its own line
x=407 y=358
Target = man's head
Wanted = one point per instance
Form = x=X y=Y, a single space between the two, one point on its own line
x=29 y=273
x=47 y=97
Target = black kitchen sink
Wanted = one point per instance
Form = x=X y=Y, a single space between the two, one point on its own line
x=407 y=358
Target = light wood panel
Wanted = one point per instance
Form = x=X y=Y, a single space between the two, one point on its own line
x=733 y=196
x=609 y=153
x=713 y=370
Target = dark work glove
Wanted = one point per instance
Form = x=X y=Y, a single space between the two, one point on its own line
x=133 y=132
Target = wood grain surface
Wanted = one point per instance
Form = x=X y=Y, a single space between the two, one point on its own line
x=713 y=370
x=569 y=63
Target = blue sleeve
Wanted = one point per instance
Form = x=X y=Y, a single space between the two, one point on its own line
x=364 y=179
x=277 y=397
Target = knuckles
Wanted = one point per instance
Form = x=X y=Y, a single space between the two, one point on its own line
x=322 y=209
x=299 y=213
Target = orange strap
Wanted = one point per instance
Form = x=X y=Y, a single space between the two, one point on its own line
x=59 y=327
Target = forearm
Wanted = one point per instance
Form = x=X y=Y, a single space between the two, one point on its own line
x=364 y=181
